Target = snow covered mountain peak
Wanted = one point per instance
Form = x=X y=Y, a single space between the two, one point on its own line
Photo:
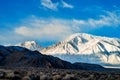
x=32 y=45
x=81 y=37
x=82 y=43
x=84 y=37
x=95 y=49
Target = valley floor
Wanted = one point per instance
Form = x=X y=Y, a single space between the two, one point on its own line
x=57 y=74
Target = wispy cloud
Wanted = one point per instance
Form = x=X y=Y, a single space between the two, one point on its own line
x=54 y=6
x=110 y=19
x=49 y=4
x=66 y=5
x=51 y=29
x=58 y=29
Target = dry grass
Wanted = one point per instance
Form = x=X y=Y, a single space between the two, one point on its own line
x=56 y=74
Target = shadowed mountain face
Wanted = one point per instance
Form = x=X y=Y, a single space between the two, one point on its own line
x=14 y=56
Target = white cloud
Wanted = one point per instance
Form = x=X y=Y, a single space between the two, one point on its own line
x=49 y=4
x=111 y=19
x=58 y=29
x=54 y=6
x=46 y=29
x=66 y=5
x=53 y=29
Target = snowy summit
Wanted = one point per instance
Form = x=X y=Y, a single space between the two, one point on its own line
x=82 y=47
x=32 y=45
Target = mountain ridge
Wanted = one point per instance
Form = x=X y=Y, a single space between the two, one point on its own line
x=103 y=50
x=22 y=57
x=74 y=42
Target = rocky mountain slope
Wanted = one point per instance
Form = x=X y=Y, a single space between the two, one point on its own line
x=14 y=56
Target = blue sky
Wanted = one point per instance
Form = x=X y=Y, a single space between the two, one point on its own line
x=50 y=21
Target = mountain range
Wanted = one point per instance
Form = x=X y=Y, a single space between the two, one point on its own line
x=82 y=47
